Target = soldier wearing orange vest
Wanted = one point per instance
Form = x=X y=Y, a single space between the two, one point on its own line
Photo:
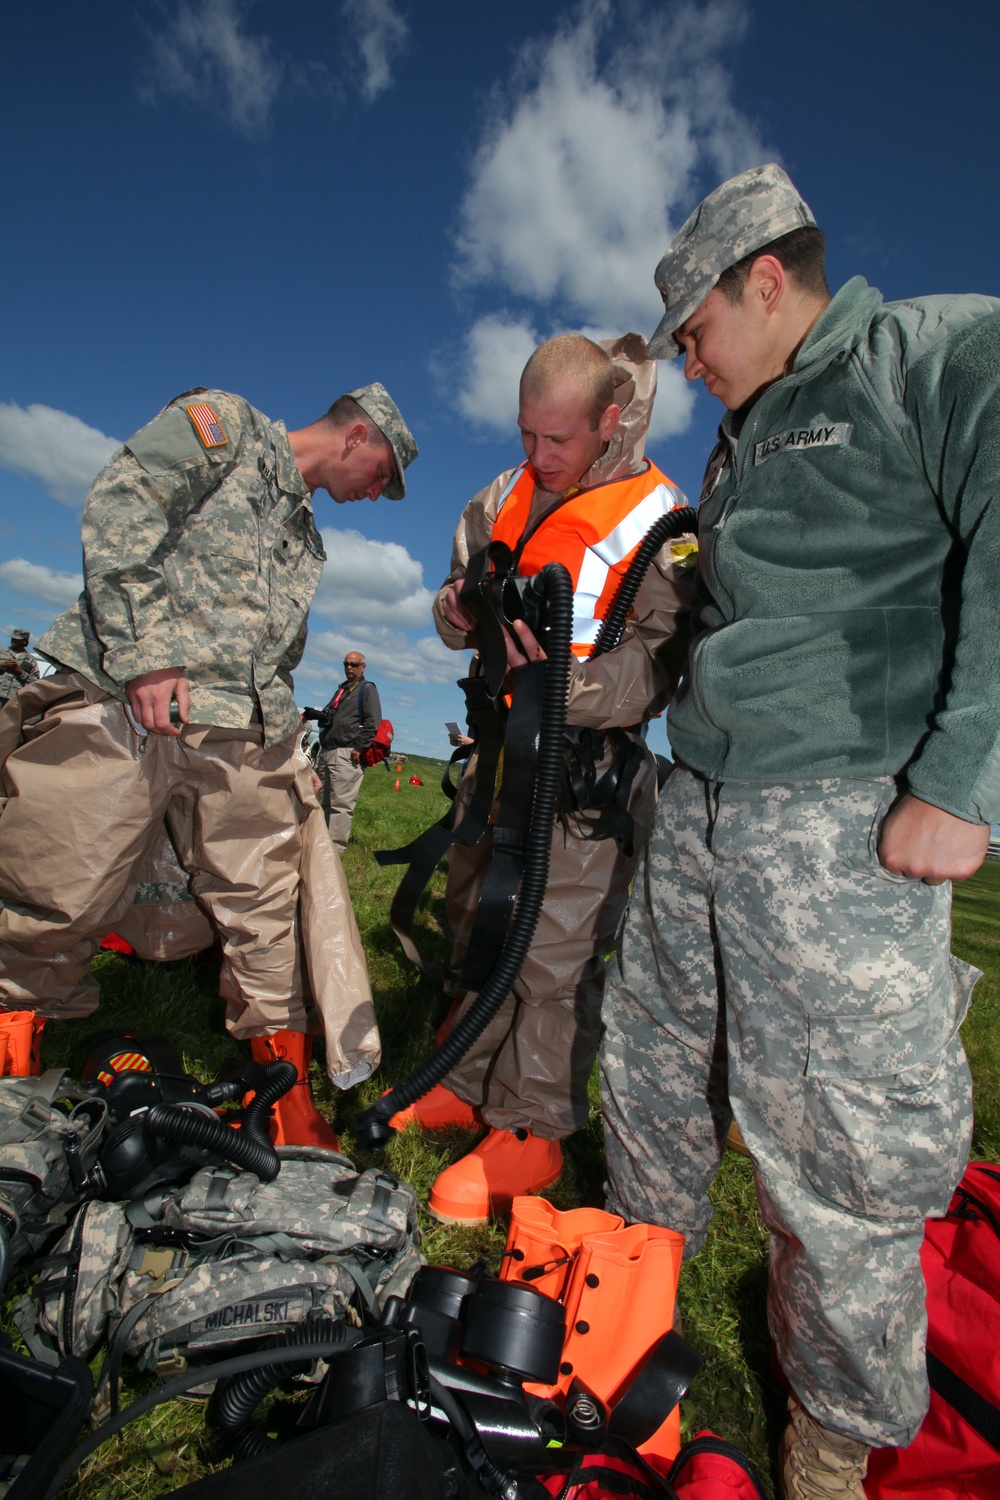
x=585 y=497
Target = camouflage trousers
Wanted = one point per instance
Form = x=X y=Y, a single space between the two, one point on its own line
x=772 y=970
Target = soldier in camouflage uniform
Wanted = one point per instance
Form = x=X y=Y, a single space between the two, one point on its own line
x=786 y=957
x=174 y=700
x=17 y=666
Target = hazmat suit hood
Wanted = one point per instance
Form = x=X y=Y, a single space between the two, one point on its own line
x=635 y=388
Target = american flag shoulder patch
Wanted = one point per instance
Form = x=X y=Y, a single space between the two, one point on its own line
x=207 y=425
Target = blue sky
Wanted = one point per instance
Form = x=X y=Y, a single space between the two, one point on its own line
x=292 y=200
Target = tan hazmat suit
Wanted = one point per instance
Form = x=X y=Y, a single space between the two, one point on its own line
x=531 y=1067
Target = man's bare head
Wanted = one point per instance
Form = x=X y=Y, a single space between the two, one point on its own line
x=567 y=412
x=571 y=361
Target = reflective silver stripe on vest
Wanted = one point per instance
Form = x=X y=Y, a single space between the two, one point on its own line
x=599 y=559
x=508 y=487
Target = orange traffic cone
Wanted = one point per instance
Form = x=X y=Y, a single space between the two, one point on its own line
x=295 y=1120
x=21 y=1032
x=619 y=1290
x=396 y=785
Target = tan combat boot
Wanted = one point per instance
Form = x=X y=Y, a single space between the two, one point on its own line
x=817 y=1464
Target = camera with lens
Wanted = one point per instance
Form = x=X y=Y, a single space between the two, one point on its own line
x=323 y=717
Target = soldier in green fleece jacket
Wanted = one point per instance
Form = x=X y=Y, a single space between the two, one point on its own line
x=786 y=959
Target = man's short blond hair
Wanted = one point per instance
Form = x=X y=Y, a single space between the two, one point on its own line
x=344 y=412
x=572 y=359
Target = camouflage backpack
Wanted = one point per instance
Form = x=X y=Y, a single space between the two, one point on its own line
x=192 y=1270
x=37 y=1194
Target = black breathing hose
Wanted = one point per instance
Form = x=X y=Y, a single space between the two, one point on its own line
x=236 y=1400
x=279 y=1079
x=675 y=523
x=373 y=1129
x=492 y=1479
x=198 y=1375
x=182 y=1126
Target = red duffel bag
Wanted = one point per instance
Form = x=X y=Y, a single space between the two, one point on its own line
x=956 y=1453
x=704 y=1469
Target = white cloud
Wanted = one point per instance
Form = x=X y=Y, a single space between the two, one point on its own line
x=380 y=32
x=377 y=582
x=496 y=350
x=53 y=446
x=387 y=653
x=40 y=582
x=609 y=131
x=204 y=55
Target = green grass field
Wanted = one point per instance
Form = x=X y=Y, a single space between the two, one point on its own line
x=722 y=1292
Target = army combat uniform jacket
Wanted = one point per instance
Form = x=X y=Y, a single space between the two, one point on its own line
x=12 y=677
x=200 y=551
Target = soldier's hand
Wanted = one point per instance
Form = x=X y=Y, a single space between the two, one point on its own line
x=926 y=843
x=522 y=648
x=151 y=695
x=317 y=785
x=455 y=611
x=525 y=648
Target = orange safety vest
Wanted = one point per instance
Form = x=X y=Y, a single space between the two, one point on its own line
x=594 y=534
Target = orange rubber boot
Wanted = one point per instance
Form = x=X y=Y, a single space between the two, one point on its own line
x=22 y=1037
x=486 y=1181
x=543 y=1242
x=435 y=1111
x=619 y=1304
x=295 y=1120
x=447 y=1025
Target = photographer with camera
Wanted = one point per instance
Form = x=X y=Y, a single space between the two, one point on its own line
x=347 y=727
x=585 y=497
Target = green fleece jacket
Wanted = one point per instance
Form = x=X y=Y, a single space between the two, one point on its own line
x=849 y=536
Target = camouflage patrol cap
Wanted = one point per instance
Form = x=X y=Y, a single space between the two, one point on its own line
x=743 y=214
x=376 y=403
x=20 y=635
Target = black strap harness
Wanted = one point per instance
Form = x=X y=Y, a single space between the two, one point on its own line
x=599 y=766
